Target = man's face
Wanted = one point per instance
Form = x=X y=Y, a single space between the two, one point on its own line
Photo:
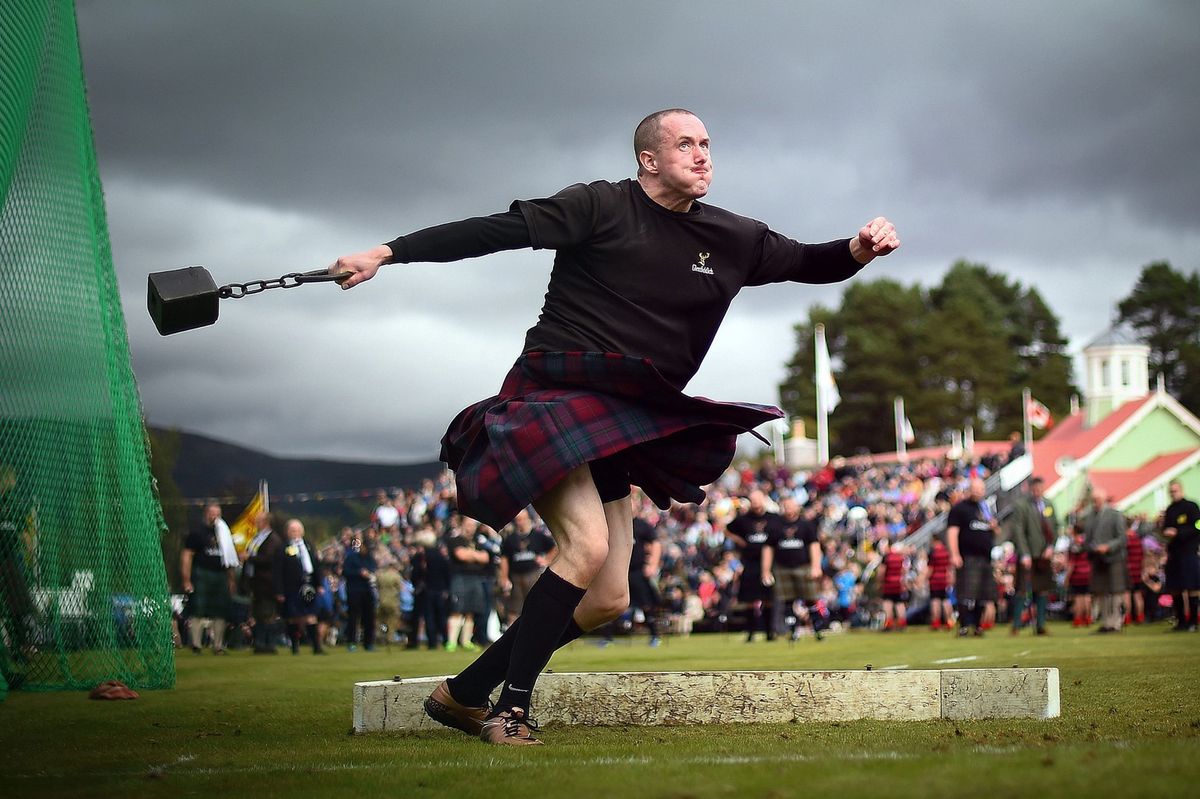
x=682 y=158
x=1176 y=492
x=1036 y=489
x=295 y=530
x=212 y=513
x=978 y=490
x=758 y=501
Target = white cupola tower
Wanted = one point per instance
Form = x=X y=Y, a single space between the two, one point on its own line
x=1117 y=370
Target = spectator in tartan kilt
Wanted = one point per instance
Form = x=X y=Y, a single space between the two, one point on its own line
x=643 y=275
x=1104 y=528
x=1033 y=532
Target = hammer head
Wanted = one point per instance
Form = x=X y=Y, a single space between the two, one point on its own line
x=182 y=299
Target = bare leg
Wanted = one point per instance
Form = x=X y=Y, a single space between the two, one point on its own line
x=606 y=598
x=218 y=635
x=573 y=512
x=576 y=518
x=455 y=628
x=608 y=595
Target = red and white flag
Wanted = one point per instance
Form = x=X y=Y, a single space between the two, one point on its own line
x=1038 y=415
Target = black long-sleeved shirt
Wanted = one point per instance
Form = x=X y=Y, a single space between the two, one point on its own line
x=631 y=276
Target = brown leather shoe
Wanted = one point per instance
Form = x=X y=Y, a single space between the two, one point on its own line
x=442 y=708
x=509 y=727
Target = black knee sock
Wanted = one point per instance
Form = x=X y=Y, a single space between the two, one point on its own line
x=1180 y=612
x=475 y=684
x=547 y=612
x=1194 y=608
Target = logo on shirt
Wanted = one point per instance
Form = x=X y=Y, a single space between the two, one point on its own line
x=700 y=267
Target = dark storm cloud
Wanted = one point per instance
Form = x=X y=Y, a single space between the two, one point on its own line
x=1051 y=141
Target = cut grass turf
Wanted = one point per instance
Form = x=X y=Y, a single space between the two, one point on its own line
x=279 y=726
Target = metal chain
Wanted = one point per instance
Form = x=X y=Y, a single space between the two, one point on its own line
x=236 y=291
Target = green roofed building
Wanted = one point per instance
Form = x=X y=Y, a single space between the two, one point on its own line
x=1128 y=439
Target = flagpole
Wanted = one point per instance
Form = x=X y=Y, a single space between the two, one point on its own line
x=901 y=443
x=1026 y=395
x=262 y=488
x=822 y=412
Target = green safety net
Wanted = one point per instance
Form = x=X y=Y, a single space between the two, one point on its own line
x=83 y=591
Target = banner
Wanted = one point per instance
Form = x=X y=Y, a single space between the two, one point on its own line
x=246 y=527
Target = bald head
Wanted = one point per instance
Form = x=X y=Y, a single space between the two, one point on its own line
x=978 y=489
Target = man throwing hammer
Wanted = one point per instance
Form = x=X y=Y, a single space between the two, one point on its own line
x=643 y=274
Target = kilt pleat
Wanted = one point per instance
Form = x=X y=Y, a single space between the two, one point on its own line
x=558 y=410
x=974 y=580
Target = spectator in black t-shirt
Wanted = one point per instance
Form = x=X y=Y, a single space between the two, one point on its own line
x=970 y=531
x=525 y=553
x=206 y=565
x=755 y=533
x=644 y=563
x=468 y=563
x=797 y=565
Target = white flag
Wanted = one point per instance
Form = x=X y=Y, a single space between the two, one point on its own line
x=1038 y=414
x=825 y=382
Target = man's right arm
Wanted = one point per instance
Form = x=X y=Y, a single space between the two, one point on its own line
x=502 y=579
x=185 y=569
x=454 y=241
x=952 y=544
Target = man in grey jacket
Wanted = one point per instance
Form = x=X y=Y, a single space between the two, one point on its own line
x=1033 y=532
x=1104 y=532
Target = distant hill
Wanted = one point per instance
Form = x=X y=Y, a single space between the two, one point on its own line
x=207 y=467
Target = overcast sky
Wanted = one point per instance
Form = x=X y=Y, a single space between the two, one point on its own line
x=1056 y=142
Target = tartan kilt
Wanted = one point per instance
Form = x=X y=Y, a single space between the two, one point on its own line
x=975 y=581
x=1108 y=577
x=558 y=410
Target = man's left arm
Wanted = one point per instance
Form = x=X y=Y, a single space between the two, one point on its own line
x=781 y=259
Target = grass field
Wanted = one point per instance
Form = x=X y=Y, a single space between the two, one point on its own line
x=245 y=725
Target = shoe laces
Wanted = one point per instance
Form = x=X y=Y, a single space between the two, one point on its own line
x=514 y=720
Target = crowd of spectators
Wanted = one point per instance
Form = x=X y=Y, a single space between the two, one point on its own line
x=416 y=573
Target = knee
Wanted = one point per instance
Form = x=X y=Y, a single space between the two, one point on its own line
x=587 y=554
x=599 y=609
x=612 y=607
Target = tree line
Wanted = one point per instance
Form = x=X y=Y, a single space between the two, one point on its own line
x=960 y=353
